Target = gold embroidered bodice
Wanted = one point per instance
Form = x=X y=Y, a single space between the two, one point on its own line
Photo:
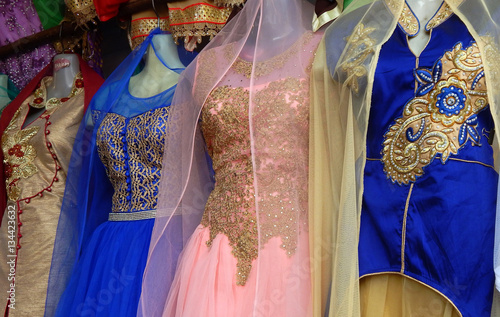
x=280 y=141
x=131 y=149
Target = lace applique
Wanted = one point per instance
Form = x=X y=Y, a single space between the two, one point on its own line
x=266 y=67
x=441 y=118
x=281 y=167
x=131 y=150
x=361 y=45
x=18 y=154
x=110 y=146
x=230 y=208
x=146 y=140
x=492 y=56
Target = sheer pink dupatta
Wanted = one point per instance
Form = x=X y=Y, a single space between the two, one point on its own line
x=264 y=30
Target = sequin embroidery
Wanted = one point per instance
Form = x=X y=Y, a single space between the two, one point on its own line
x=131 y=149
x=19 y=155
x=280 y=169
x=360 y=46
x=441 y=118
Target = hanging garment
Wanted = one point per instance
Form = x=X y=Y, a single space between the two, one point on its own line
x=141 y=27
x=35 y=163
x=241 y=109
x=99 y=260
x=392 y=158
x=50 y=13
x=193 y=19
x=19 y=19
x=83 y=10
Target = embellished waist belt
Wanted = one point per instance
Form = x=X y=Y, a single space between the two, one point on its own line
x=131 y=216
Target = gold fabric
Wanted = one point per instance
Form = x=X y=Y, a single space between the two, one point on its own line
x=197 y=18
x=394 y=295
x=339 y=121
x=83 y=10
x=141 y=27
x=33 y=209
x=127 y=148
x=226 y=131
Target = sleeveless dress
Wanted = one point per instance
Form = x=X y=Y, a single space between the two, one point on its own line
x=245 y=251
x=430 y=187
x=130 y=139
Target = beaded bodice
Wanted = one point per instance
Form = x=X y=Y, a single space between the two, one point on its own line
x=131 y=149
x=279 y=140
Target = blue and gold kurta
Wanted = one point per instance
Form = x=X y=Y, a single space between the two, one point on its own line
x=429 y=183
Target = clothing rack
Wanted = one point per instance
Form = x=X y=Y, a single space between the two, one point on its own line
x=53 y=34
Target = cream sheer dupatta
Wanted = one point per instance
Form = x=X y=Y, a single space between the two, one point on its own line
x=342 y=78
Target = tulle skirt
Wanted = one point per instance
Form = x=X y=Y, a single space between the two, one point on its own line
x=205 y=281
x=107 y=279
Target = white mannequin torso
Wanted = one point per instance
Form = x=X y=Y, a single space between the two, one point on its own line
x=424 y=10
x=156 y=77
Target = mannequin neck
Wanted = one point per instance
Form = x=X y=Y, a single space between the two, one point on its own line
x=165 y=49
x=64 y=75
x=424 y=10
x=156 y=76
x=4 y=97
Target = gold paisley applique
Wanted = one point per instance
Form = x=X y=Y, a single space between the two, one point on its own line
x=360 y=47
x=441 y=118
x=19 y=155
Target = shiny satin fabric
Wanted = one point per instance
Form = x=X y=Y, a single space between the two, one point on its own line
x=36 y=158
x=341 y=105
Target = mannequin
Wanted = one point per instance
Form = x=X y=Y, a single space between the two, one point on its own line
x=4 y=97
x=155 y=77
x=415 y=256
x=424 y=10
x=127 y=117
x=282 y=36
x=66 y=67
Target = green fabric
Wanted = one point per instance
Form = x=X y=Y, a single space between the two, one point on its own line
x=347 y=3
x=50 y=12
x=358 y=4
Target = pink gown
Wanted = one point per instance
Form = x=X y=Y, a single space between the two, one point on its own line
x=250 y=253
